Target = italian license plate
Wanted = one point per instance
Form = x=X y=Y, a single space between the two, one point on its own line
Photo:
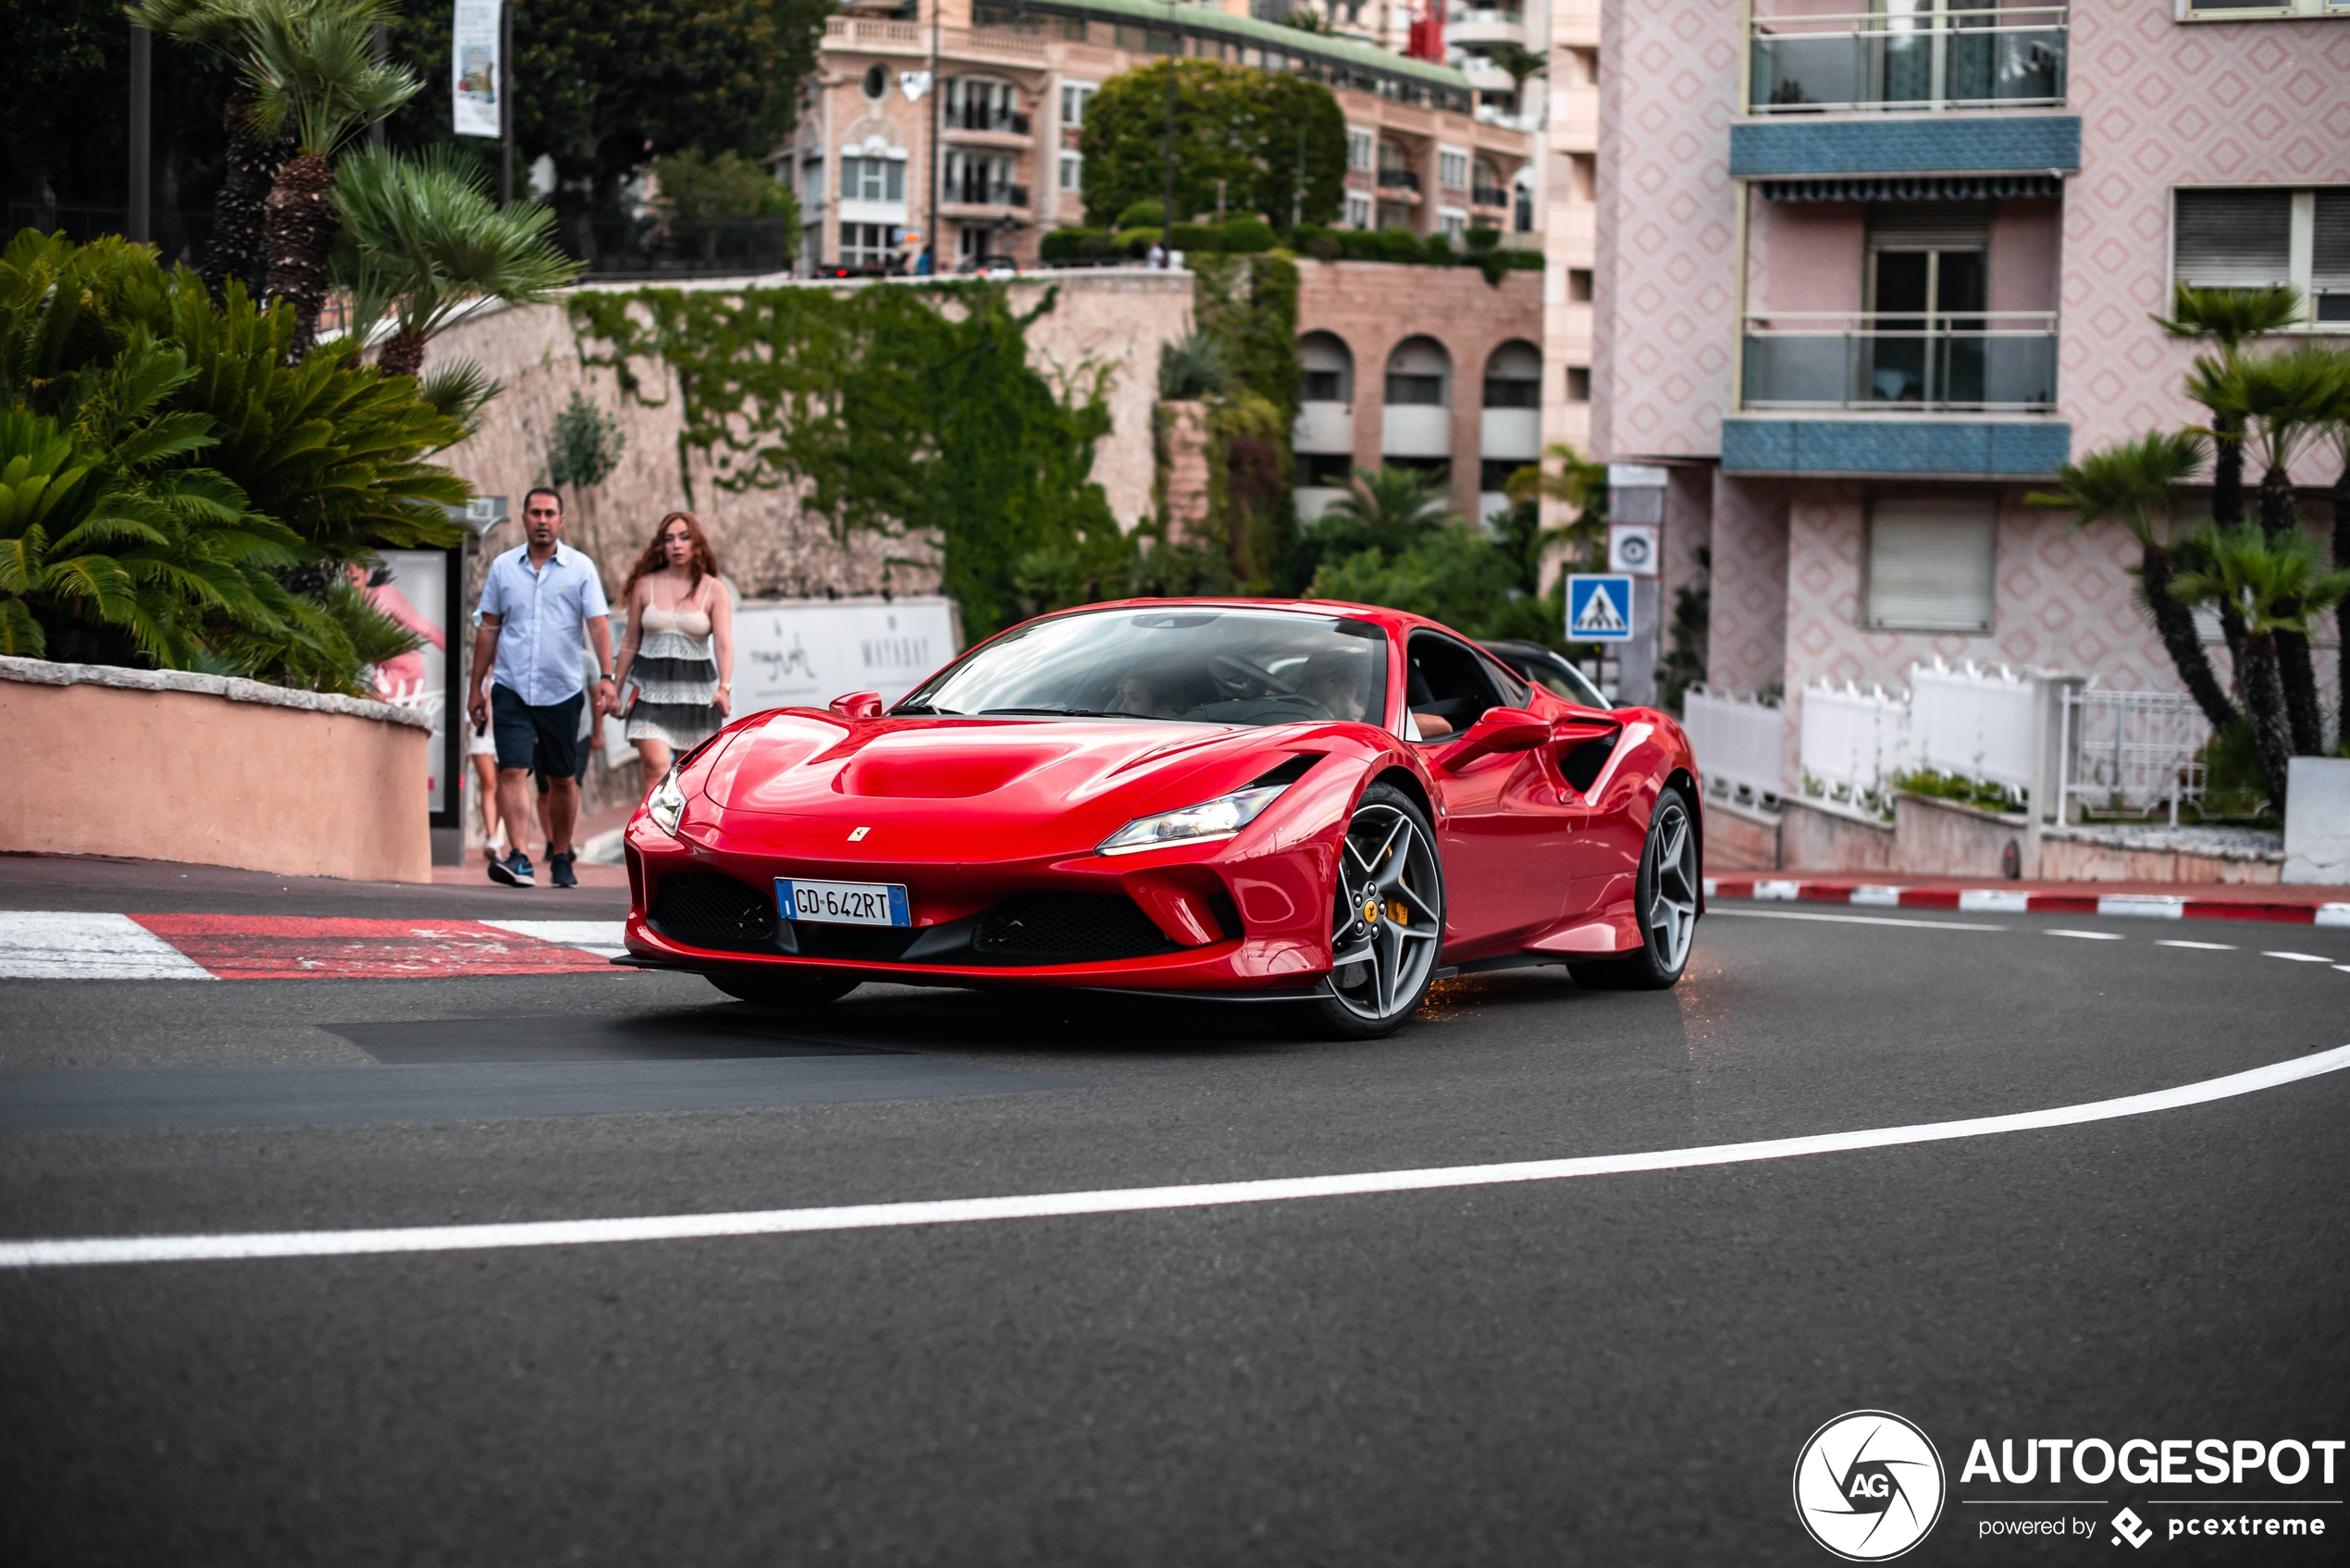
x=842 y=903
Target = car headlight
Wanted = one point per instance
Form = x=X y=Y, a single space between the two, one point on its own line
x=666 y=803
x=1220 y=818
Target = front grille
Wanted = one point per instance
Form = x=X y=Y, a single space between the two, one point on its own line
x=706 y=910
x=872 y=945
x=1069 y=928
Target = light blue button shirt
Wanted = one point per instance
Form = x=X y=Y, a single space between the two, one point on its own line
x=541 y=612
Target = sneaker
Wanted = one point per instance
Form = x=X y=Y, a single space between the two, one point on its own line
x=514 y=870
x=559 y=869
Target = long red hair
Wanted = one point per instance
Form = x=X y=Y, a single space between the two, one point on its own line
x=702 y=563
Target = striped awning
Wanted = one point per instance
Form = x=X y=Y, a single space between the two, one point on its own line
x=1912 y=188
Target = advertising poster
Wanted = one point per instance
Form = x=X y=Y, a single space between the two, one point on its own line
x=413 y=587
x=802 y=653
x=475 y=68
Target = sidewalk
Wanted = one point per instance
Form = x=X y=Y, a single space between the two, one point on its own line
x=475 y=870
x=2289 y=904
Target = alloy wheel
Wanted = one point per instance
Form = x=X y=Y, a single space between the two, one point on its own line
x=1389 y=920
x=1670 y=917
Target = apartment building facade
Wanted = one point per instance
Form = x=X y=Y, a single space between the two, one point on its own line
x=1866 y=275
x=1013 y=82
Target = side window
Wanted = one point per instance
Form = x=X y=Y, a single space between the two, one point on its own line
x=1449 y=686
x=1514 y=691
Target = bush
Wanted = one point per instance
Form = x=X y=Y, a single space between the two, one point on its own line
x=1143 y=215
x=1439 y=250
x=1132 y=243
x=1482 y=239
x=1199 y=239
x=1247 y=234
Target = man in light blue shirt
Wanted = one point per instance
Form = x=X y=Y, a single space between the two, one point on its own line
x=538 y=598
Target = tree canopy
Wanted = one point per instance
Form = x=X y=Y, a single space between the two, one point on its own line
x=602 y=86
x=1233 y=123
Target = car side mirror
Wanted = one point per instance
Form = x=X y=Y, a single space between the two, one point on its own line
x=859 y=705
x=1500 y=728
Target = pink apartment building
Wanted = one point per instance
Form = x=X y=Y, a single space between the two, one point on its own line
x=1867 y=273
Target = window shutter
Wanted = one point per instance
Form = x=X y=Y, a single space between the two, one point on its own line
x=2330 y=250
x=1931 y=563
x=1929 y=226
x=2234 y=239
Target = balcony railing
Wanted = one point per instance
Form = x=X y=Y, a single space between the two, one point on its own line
x=984 y=193
x=1999 y=361
x=1398 y=180
x=1490 y=196
x=986 y=116
x=2006 y=58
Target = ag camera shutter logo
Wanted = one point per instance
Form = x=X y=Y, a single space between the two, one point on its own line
x=1869 y=1486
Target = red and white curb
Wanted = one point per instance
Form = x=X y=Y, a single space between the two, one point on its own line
x=2015 y=901
x=44 y=945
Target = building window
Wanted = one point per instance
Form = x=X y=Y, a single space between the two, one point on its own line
x=1931 y=563
x=1325 y=469
x=872 y=180
x=866 y=244
x=812 y=178
x=1578 y=383
x=983 y=179
x=1328 y=367
x=1361 y=149
x=2267 y=236
x=1453 y=225
x=1358 y=212
x=1578 y=285
x=1417 y=373
x=1453 y=170
x=1072 y=171
x=1073 y=28
x=876 y=84
x=1493 y=472
x=1075 y=95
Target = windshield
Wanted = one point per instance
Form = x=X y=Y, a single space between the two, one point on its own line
x=1198 y=666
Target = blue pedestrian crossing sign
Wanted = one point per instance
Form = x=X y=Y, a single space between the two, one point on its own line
x=1598 y=608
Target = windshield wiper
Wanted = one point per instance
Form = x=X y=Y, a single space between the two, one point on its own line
x=926 y=708
x=1073 y=714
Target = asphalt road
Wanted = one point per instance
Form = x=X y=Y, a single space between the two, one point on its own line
x=1616 y=1368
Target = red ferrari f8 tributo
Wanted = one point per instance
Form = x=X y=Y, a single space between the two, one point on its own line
x=1324 y=804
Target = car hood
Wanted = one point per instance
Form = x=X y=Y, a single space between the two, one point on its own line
x=800 y=763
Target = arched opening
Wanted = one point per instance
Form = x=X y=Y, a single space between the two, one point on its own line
x=1329 y=366
x=1419 y=420
x=1511 y=433
x=1419 y=372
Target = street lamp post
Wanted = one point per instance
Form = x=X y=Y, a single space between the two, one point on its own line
x=937 y=89
x=135 y=224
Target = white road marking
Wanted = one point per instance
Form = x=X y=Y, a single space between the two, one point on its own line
x=48 y=945
x=2207 y=946
x=1994 y=901
x=2089 y=935
x=606 y=939
x=2300 y=958
x=1848 y=920
x=1124 y=1200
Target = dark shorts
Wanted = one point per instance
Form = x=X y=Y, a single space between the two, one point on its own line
x=546 y=739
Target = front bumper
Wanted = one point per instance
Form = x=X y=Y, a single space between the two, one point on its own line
x=1274 y=884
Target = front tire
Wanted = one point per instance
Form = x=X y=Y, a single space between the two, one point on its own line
x=1388 y=918
x=1666 y=895
x=786 y=990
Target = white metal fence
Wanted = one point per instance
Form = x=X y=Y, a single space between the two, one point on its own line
x=1852 y=742
x=2133 y=751
x=1972 y=722
x=1740 y=743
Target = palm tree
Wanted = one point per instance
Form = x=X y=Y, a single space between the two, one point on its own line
x=422 y=240
x=2336 y=426
x=2276 y=585
x=238 y=247
x=2130 y=484
x=2286 y=398
x=2229 y=318
x=1578 y=483
x=311 y=67
x=1517 y=62
x=1389 y=511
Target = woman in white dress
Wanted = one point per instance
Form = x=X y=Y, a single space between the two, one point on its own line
x=679 y=648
